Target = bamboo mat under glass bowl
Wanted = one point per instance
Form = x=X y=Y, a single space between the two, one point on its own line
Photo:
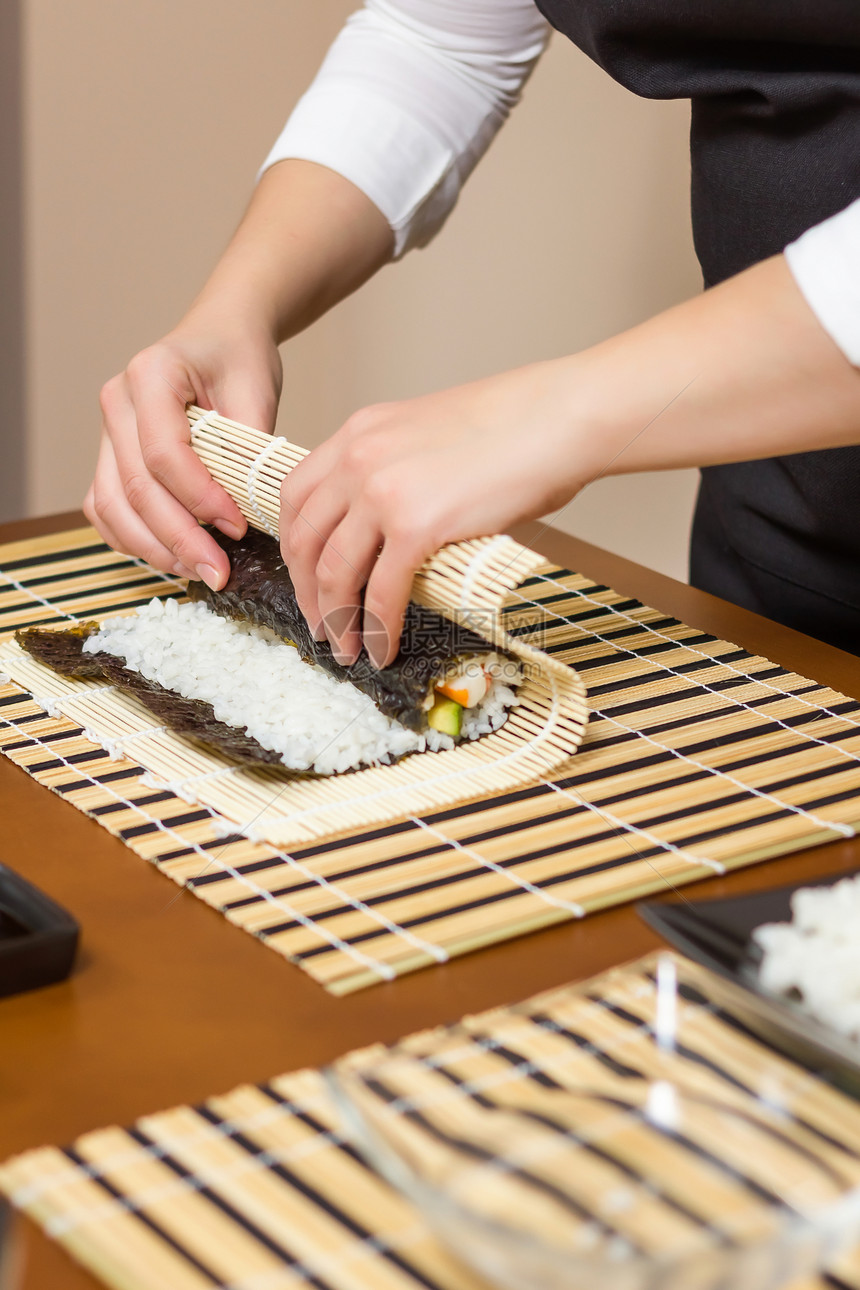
x=698 y=757
x=266 y=1188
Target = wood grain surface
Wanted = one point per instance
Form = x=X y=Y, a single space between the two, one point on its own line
x=169 y=1003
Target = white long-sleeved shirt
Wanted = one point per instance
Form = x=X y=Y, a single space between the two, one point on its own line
x=411 y=94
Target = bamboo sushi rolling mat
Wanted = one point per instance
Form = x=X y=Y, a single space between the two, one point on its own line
x=698 y=757
x=266 y=1187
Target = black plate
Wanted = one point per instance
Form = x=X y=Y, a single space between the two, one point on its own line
x=38 y=938
x=718 y=934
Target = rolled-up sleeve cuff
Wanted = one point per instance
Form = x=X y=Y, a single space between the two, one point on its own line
x=825 y=262
x=395 y=160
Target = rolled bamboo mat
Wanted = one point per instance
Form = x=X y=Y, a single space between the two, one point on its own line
x=472 y=582
x=698 y=757
x=530 y=1113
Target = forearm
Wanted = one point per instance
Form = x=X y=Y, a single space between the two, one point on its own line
x=741 y=372
x=308 y=238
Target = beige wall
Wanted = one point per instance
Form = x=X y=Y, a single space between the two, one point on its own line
x=144 y=124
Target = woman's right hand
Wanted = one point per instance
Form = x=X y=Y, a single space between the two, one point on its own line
x=150 y=489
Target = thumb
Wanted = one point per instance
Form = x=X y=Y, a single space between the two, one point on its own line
x=253 y=402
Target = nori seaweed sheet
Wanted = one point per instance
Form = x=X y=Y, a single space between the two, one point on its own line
x=63 y=652
x=260 y=589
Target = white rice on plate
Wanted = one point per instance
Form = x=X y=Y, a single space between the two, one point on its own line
x=259 y=683
x=817 y=955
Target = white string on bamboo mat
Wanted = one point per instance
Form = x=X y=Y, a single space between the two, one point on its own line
x=353 y=902
x=158 y=573
x=126 y=1156
x=343 y=897
x=24 y=590
x=209 y=1177
x=180 y=787
x=206 y=1132
x=692 y=649
x=511 y=876
x=476 y=566
x=114 y=747
x=200 y=423
x=354 y=1250
x=358 y=956
x=253 y=476
x=847 y=830
x=40 y=600
x=689 y=857
x=59 y=703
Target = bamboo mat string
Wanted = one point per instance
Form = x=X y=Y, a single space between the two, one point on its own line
x=475 y=568
x=277 y=442
x=164 y=577
x=376 y=915
x=351 y=1252
x=137 y=734
x=627 y=828
x=272 y=1113
x=200 y=423
x=56 y=705
x=516 y=879
x=692 y=649
x=847 y=830
x=184 y=788
x=357 y=955
x=40 y=600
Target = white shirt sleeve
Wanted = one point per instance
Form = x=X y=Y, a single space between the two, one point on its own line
x=825 y=262
x=408 y=99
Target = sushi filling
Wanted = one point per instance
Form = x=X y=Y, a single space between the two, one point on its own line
x=257 y=682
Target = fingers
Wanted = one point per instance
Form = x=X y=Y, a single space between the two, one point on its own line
x=345 y=564
x=107 y=509
x=346 y=524
x=385 y=600
x=298 y=486
x=250 y=403
x=163 y=523
x=307 y=540
x=165 y=444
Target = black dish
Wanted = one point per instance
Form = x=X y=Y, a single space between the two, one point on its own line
x=38 y=939
x=718 y=934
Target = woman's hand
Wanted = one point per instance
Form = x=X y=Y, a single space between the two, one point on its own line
x=150 y=489
x=400 y=480
x=308 y=238
x=743 y=371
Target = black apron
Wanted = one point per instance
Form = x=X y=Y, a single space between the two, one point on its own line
x=775 y=148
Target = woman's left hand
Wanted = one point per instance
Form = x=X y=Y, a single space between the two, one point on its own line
x=400 y=480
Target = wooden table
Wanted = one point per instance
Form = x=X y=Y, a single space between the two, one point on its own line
x=169 y=1003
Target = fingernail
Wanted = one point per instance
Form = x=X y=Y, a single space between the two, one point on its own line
x=232 y=530
x=182 y=572
x=210 y=576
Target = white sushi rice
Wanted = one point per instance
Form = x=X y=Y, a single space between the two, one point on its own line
x=817 y=954
x=258 y=683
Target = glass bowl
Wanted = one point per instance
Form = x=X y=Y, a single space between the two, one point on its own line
x=621 y=1183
